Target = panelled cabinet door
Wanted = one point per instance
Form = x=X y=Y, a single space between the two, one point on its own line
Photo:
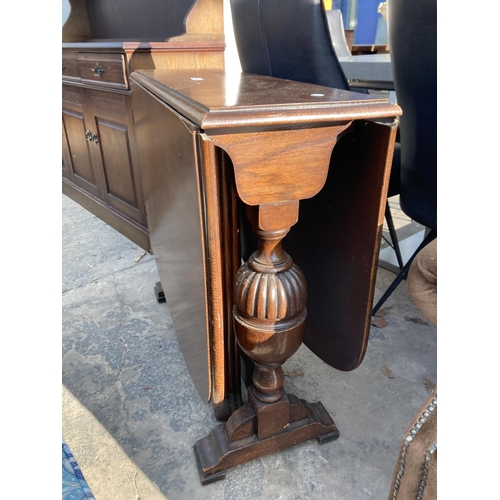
x=114 y=152
x=77 y=157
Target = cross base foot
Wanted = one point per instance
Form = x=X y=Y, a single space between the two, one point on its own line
x=216 y=453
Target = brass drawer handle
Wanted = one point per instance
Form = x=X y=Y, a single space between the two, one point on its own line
x=98 y=71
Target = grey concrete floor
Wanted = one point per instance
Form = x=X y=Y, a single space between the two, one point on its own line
x=131 y=414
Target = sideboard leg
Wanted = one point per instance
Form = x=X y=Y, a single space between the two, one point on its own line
x=160 y=294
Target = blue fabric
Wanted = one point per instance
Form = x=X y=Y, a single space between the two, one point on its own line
x=74 y=486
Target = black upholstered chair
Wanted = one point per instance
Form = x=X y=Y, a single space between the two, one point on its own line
x=413 y=48
x=286 y=40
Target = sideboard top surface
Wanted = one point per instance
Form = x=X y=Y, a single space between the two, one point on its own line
x=214 y=99
x=199 y=41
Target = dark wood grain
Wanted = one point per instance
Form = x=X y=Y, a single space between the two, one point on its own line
x=115 y=155
x=221 y=104
x=336 y=243
x=274 y=171
x=70 y=66
x=127 y=19
x=171 y=184
x=154 y=20
x=220 y=213
x=231 y=258
x=111 y=66
x=77 y=159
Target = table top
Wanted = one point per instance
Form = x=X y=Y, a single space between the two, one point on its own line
x=215 y=99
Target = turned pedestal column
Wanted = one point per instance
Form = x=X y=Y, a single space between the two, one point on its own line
x=270 y=295
x=273 y=171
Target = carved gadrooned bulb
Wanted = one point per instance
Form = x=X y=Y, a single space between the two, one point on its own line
x=270 y=312
x=270 y=297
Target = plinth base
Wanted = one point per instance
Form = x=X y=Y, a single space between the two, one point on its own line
x=215 y=453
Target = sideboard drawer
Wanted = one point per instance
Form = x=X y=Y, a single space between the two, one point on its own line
x=70 y=66
x=107 y=70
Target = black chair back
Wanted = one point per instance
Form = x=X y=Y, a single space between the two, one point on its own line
x=413 y=49
x=286 y=39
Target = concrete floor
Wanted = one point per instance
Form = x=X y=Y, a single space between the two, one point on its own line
x=131 y=414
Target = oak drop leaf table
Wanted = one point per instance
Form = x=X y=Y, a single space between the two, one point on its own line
x=225 y=162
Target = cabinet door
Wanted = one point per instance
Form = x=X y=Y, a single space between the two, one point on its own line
x=77 y=158
x=114 y=152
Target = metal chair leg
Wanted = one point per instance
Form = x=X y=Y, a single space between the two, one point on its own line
x=404 y=272
x=394 y=236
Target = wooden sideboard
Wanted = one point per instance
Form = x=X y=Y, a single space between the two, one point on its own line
x=226 y=161
x=103 y=43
